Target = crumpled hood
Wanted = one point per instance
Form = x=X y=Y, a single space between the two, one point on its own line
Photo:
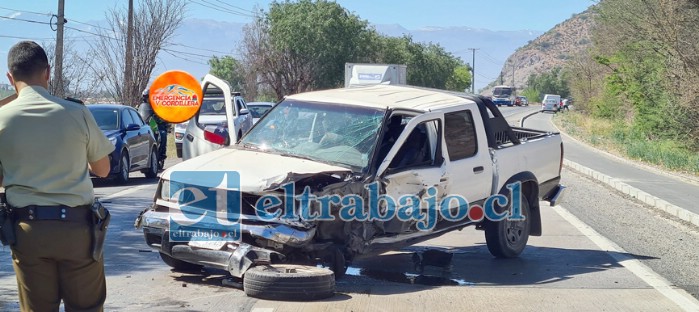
x=258 y=171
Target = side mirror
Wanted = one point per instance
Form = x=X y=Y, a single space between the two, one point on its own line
x=244 y=111
x=133 y=127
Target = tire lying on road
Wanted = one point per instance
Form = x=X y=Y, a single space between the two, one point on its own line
x=289 y=282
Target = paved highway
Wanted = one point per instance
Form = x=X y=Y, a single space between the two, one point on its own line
x=601 y=250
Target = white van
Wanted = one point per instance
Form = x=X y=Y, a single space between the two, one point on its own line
x=551 y=103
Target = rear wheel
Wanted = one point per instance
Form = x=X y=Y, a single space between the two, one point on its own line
x=124 y=168
x=153 y=168
x=506 y=238
x=289 y=282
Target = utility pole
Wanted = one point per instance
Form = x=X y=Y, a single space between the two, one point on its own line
x=58 y=62
x=513 y=73
x=127 y=97
x=473 y=70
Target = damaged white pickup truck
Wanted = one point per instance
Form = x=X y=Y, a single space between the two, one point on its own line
x=329 y=176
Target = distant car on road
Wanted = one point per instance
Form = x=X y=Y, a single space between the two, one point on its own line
x=179 y=131
x=259 y=109
x=135 y=147
x=551 y=103
x=521 y=101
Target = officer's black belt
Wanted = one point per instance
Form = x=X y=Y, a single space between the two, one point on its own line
x=59 y=212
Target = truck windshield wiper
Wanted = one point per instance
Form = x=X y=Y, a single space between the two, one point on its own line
x=297 y=156
x=251 y=146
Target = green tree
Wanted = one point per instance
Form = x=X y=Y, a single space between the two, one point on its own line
x=228 y=69
x=643 y=69
x=304 y=45
x=460 y=79
x=318 y=38
x=429 y=65
x=553 y=82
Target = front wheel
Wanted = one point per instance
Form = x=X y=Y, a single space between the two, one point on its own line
x=506 y=238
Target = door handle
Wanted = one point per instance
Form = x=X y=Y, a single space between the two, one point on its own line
x=444 y=179
x=478 y=169
x=189 y=137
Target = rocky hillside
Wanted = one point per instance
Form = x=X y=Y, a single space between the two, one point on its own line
x=548 y=51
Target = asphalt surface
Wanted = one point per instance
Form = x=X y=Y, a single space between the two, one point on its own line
x=673 y=189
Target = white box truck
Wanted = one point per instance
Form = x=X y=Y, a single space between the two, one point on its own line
x=366 y=74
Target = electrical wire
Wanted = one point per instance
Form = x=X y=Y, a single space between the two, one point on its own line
x=25 y=38
x=166 y=50
x=24 y=20
x=210 y=5
x=235 y=7
x=30 y=12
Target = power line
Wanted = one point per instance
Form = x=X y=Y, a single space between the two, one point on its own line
x=218 y=8
x=25 y=38
x=235 y=7
x=183 y=58
x=201 y=49
x=91 y=25
x=174 y=44
x=25 y=20
x=485 y=76
x=492 y=59
x=166 y=50
x=30 y=12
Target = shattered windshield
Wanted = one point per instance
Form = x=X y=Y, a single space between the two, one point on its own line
x=344 y=135
x=502 y=92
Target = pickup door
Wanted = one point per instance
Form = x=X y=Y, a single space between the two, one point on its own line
x=421 y=158
x=211 y=116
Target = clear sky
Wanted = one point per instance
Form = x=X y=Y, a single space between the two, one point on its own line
x=411 y=14
x=537 y=15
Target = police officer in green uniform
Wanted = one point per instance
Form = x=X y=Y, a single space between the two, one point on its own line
x=48 y=146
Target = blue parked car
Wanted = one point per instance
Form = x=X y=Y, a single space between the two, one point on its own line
x=135 y=147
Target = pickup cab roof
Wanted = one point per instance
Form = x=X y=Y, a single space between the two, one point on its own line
x=419 y=99
x=386 y=97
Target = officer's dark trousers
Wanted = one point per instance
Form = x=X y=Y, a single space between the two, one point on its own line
x=52 y=261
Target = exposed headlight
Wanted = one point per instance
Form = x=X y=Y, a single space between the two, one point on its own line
x=113 y=140
x=165 y=190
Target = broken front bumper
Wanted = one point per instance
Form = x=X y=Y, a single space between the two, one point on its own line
x=235 y=257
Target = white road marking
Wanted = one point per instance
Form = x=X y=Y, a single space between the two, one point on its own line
x=126 y=192
x=677 y=295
